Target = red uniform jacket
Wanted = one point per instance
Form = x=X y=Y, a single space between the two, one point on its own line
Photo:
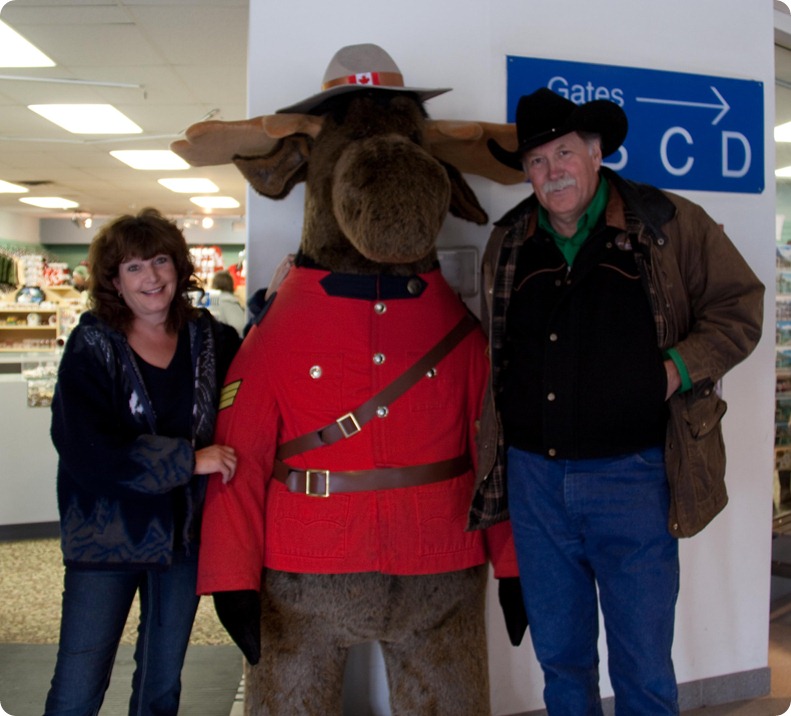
x=327 y=344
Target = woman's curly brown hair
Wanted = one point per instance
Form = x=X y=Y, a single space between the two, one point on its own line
x=142 y=236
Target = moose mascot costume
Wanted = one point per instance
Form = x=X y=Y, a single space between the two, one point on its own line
x=353 y=407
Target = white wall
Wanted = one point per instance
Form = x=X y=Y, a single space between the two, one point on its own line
x=723 y=610
x=18 y=228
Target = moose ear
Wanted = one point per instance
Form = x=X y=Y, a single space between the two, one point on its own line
x=463 y=145
x=216 y=142
x=463 y=202
x=274 y=175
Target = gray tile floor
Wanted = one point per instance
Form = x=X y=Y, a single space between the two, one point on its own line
x=30 y=588
x=209 y=681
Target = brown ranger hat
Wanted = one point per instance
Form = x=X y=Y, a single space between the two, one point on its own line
x=359 y=67
x=545 y=115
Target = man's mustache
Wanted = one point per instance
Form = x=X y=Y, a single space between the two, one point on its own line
x=558 y=184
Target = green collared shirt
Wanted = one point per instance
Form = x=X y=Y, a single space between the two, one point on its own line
x=569 y=246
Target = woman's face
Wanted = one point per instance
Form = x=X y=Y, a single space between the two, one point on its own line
x=147 y=286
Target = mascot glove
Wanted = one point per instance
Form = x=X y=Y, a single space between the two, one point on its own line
x=509 y=592
x=240 y=613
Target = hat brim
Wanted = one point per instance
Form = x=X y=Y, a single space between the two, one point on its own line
x=309 y=104
x=600 y=117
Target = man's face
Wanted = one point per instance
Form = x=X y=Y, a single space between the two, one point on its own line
x=564 y=174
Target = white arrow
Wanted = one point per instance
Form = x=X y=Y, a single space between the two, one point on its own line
x=723 y=106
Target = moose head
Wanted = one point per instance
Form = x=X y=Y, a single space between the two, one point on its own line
x=380 y=175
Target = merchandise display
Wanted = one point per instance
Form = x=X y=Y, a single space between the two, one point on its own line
x=29 y=327
x=782 y=487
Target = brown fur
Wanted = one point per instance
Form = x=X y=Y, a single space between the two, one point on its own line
x=431 y=628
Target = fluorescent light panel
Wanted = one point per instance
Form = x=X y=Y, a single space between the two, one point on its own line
x=783 y=172
x=50 y=202
x=150 y=159
x=188 y=185
x=215 y=202
x=16 y=51
x=783 y=132
x=87 y=118
x=7 y=187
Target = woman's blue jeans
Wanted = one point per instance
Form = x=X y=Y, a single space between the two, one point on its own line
x=587 y=525
x=96 y=605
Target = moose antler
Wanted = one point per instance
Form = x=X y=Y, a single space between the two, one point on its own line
x=463 y=144
x=459 y=143
x=216 y=142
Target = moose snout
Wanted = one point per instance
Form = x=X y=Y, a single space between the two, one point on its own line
x=390 y=197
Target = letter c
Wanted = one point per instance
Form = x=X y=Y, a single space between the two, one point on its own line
x=666 y=137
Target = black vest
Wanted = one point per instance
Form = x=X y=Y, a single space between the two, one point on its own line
x=583 y=375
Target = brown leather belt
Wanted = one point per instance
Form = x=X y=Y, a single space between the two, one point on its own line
x=323 y=483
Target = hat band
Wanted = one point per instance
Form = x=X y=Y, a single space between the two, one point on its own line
x=384 y=79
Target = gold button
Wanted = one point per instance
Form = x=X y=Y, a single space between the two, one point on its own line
x=379 y=358
x=380 y=307
x=553 y=337
x=315 y=372
x=550 y=397
x=552 y=452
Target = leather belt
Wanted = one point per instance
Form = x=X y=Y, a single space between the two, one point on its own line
x=323 y=483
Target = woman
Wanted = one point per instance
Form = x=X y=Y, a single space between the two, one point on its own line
x=132 y=421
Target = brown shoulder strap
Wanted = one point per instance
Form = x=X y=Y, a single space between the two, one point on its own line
x=352 y=422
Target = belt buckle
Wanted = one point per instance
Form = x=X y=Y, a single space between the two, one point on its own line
x=309 y=479
x=353 y=430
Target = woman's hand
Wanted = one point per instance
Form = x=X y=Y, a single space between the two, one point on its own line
x=216 y=458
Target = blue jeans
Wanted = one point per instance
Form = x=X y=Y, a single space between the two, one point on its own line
x=96 y=604
x=580 y=525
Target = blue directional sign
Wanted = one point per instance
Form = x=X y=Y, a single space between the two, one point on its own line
x=685 y=131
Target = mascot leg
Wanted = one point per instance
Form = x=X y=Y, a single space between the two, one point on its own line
x=431 y=628
x=302 y=659
x=437 y=660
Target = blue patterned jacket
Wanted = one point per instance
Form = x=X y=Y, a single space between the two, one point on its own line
x=116 y=476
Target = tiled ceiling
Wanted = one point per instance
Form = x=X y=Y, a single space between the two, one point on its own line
x=177 y=61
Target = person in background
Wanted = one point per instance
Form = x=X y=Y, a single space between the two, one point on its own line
x=133 y=418
x=227 y=308
x=79 y=278
x=260 y=298
x=613 y=309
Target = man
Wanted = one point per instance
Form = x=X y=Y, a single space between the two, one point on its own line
x=613 y=309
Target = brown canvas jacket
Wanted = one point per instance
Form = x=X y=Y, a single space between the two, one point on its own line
x=707 y=304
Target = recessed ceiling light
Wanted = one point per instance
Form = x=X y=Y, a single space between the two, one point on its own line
x=215 y=202
x=50 y=202
x=9 y=188
x=783 y=132
x=16 y=51
x=87 y=118
x=190 y=185
x=148 y=159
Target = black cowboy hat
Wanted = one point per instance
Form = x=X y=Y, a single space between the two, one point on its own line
x=544 y=115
